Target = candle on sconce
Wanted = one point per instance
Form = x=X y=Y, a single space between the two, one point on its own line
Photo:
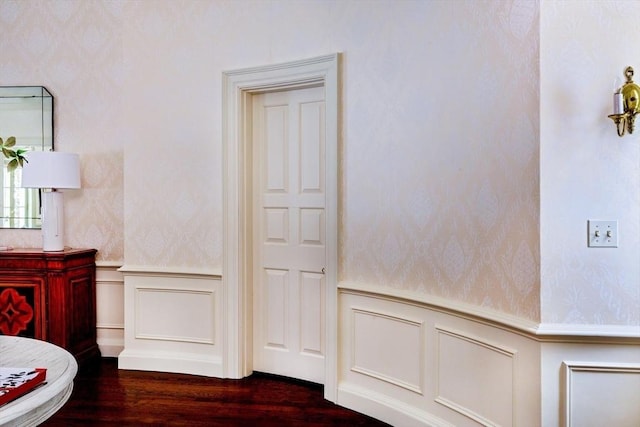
x=617 y=103
x=618 y=107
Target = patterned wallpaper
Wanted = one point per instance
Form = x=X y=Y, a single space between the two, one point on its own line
x=441 y=176
x=441 y=142
x=74 y=49
x=587 y=171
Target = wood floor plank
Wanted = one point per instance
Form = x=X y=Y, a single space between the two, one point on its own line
x=106 y=396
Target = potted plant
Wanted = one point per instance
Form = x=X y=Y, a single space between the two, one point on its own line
x=16 y=157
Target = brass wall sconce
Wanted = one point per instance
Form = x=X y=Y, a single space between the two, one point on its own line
x=626 y=104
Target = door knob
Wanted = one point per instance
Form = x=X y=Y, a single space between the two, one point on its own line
x=322 y=270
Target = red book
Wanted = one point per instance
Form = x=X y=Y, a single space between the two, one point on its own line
x=15 y=382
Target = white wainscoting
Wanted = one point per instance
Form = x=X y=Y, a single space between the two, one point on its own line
x=109 y=308
x=403 y=358
x=475 y=377
x=418 y=362
x=591 y=383
x=376 y=338
x=172 y=321
x=599 y=395
x=408 y=364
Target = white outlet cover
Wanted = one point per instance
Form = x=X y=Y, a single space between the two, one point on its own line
x=602 y=234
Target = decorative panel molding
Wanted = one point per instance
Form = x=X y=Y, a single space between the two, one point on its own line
x=470 y=371
x=601 y=394
x=276 y=295
x=312 y=226
x=276 y=225
x=173 y=321
x=312 y=298
x=276 y=140
x=110 y=304
x=312 y=147
x=475 y=377
x=488 y=370
x=175 y=315
x=388 y=348
x=109 y=308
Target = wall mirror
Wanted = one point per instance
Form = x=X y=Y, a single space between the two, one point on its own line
x=26 y=112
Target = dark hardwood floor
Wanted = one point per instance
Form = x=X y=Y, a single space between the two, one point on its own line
x=106 y=396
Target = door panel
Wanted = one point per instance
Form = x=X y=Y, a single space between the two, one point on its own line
x=289 y=233
x=276 y=290
x=312 y=298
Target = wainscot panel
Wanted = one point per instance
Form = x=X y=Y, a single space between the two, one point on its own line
x=175 y=315
x=388 y=348
x=417 y=360
x=109 y=308
x=591 y=382
x=615 y=388
x=414 y=364
x=172 y=321
x=487 y=392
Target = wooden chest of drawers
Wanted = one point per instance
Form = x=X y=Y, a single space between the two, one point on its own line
x=50 y=296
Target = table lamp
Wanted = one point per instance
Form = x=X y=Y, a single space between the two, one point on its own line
x=52 y=170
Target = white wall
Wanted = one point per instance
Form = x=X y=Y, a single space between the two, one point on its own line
x=587 y=171
x=74 y=49
x=475 y=146
x=439 y=156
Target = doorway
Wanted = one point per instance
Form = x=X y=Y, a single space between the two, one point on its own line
x=289 y=253
x=240 y=88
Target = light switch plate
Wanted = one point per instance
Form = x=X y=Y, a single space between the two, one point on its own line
x=602 y=234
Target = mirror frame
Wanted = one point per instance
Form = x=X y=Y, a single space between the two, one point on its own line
x=11 y=192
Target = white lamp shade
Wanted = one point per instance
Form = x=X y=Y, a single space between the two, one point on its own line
x=51 y=169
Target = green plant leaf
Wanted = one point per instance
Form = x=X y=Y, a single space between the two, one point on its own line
x=16 y=157
x=13 y=165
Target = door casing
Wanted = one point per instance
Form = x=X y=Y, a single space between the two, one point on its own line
x=238 y=87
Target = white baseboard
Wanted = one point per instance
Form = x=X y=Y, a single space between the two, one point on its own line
x=110 y=347
x=182 y=363
x=384 y=408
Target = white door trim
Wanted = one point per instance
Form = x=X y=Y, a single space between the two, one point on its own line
x=238 y=86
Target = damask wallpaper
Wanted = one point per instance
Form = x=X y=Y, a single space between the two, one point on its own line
x=587 y=171
x=445 y=167
x=74 y=49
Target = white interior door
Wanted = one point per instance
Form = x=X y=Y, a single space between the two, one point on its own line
x=289 y=248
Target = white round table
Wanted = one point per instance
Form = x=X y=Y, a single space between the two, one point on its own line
x=38 y=405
